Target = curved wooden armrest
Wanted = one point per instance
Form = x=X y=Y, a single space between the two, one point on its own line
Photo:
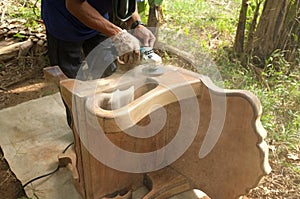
x=168 y=90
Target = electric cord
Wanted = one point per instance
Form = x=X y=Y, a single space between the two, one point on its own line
x=68 y=147
x=44 y=175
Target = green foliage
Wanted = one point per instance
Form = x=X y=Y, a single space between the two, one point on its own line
x=201 y=19
x=278 y=89
x=19 y=36
x=25 y=9
x=283 y=97
x=143 y=10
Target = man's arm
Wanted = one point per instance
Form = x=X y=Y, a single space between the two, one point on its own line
x=146 y=37
x=88 y=15
x=135 y=17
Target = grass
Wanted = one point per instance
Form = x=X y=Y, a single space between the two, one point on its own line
x=28 y=10
x=202 y=20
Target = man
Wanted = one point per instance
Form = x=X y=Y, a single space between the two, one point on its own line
x=76 y=26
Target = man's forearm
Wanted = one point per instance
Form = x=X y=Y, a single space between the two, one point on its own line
x=135 y=17
x=88 y=15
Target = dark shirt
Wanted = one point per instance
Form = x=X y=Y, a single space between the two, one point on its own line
x=63 y=25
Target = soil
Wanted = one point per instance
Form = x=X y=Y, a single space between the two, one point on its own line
x=10 y=186
x=33 y=87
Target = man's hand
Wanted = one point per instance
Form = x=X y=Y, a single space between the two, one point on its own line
x=127 y=46
x=144 y=35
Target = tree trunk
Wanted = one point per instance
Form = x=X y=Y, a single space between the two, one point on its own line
x=270 y=29
x=155 y=15
x=278 y=28
x=240 y=33
x=291 y=31
x=154 y=18
x=249 y=47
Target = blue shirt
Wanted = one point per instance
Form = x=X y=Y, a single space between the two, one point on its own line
x=63 y=25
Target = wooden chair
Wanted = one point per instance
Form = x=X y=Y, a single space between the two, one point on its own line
x=221 y=148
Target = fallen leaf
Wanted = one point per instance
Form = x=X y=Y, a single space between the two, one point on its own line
x=292 y=156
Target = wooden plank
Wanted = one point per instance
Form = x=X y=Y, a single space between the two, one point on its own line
x=12 y=50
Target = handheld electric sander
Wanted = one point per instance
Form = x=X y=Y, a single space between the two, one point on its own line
x=152 y=62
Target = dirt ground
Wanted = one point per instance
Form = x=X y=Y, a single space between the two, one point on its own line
x=10 y=186
x=31 y=88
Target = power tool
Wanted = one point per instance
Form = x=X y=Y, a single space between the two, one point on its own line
x=151 y=61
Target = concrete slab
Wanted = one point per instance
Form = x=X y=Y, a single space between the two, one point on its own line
x=32 y=134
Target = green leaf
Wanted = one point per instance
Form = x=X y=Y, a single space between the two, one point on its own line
x=19 y=36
